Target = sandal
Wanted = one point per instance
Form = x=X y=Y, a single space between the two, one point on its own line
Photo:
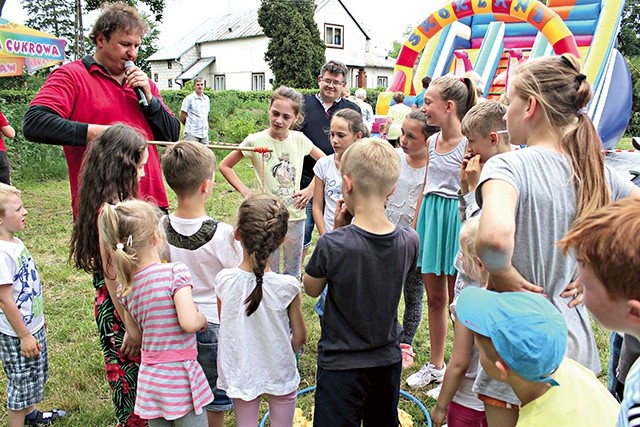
x=39 y=418
x=407 y=355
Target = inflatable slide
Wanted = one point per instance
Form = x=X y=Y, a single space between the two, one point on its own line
x=490 y=37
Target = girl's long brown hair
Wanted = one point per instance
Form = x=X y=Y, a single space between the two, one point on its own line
x=109 y=174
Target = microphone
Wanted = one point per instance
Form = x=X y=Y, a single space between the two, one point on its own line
x=142 y=100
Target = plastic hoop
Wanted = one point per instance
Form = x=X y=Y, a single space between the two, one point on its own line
x=403 y=393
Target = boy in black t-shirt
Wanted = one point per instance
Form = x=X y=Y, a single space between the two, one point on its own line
x=364 y=263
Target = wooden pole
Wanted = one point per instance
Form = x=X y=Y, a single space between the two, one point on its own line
x=219 y=146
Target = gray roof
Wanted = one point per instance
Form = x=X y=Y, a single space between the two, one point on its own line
x=226 y=27
x=195 y=69
x=177 y=49
x=373 y=60
x=232 y=26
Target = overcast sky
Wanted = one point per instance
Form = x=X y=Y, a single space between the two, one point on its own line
x=385 y=20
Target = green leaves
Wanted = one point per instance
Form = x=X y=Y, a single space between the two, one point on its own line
x=296 y=51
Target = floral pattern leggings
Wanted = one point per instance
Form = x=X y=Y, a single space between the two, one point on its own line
x=122 y=371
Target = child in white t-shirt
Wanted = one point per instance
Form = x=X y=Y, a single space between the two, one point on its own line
x=205 y=245
x=23 y=341
x=261 y=322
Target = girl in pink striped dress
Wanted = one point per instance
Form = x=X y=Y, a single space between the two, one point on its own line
x=172 y=388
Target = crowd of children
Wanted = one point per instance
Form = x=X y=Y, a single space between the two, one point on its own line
x=197 y=317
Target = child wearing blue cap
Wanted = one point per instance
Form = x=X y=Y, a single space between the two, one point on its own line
x=608 y=264
x=522 y=340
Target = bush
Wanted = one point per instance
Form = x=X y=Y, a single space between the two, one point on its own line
x=634 y=123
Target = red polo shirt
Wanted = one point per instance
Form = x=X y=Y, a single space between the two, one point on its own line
x=94 y=97
x=3 y=122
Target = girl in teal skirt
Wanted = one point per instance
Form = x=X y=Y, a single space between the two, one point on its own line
x=446 y=101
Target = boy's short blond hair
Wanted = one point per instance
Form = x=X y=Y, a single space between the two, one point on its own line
x=5 y=192
x=468 y=233
x=606 y=240
x=373 y=165
x=484 y=118
x=186 y=165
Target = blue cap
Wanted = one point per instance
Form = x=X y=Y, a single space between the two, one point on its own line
x=527 y=331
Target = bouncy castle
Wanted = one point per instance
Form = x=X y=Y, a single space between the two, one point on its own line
x=490 y=37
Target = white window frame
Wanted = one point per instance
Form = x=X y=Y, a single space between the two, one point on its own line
x=217 y=79
x=170 y=83
x=257 y=81
x=331 y=31
x=382 y=81
x=155 y=77
x=169 y=64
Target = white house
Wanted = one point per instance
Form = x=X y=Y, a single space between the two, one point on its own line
x=228 y=52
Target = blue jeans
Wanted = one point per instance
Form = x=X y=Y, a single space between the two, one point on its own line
x=308 y=225
x=208 y=359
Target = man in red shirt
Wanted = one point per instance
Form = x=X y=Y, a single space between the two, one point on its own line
x=77 y=103
x=81 y=99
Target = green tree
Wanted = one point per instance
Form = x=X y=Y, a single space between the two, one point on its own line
x=156 y=6
x=629 y=37
x=148 y=46
x=295 y=52
x=397 y=45
x=60 y=18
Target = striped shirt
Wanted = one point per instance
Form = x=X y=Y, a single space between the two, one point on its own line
x=630 y=405
x=171 y=382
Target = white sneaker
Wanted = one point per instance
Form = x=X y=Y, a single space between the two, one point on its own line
x=435 y=392
x=426 y=375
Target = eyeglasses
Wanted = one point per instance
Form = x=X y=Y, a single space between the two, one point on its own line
x=330 y=82
x=502 y=132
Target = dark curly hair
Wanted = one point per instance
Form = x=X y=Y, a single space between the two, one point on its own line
x=109 y=174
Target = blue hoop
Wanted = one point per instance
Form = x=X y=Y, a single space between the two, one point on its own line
x=403 y=393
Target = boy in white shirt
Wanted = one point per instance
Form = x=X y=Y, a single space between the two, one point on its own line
x=23 y=342
x=205 y=245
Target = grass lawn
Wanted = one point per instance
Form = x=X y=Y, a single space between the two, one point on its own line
x=77 y=381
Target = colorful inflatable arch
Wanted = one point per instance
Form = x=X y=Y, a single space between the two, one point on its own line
x=537 y=14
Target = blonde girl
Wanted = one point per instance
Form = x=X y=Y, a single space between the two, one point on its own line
x=281 y=172
x=347 y=127
x=261 y=323
x=401 y=208
x=456 y=402
x=446 y=101
x=531 y=198
x=172 y=388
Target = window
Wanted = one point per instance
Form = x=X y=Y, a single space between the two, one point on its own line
x=155 y=77
x=169 y=64
x=333 y=35
x=383 y=81
x=257 y=81
x=170 y=83
x=218 y=82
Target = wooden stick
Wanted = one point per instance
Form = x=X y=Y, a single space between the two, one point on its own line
x=219 y=146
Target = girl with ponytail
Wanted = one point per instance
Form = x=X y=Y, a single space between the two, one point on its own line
x=261 y=322
x=172 y=387
x=531 y=197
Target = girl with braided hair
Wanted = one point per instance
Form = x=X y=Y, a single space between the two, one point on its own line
x=261 y=322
